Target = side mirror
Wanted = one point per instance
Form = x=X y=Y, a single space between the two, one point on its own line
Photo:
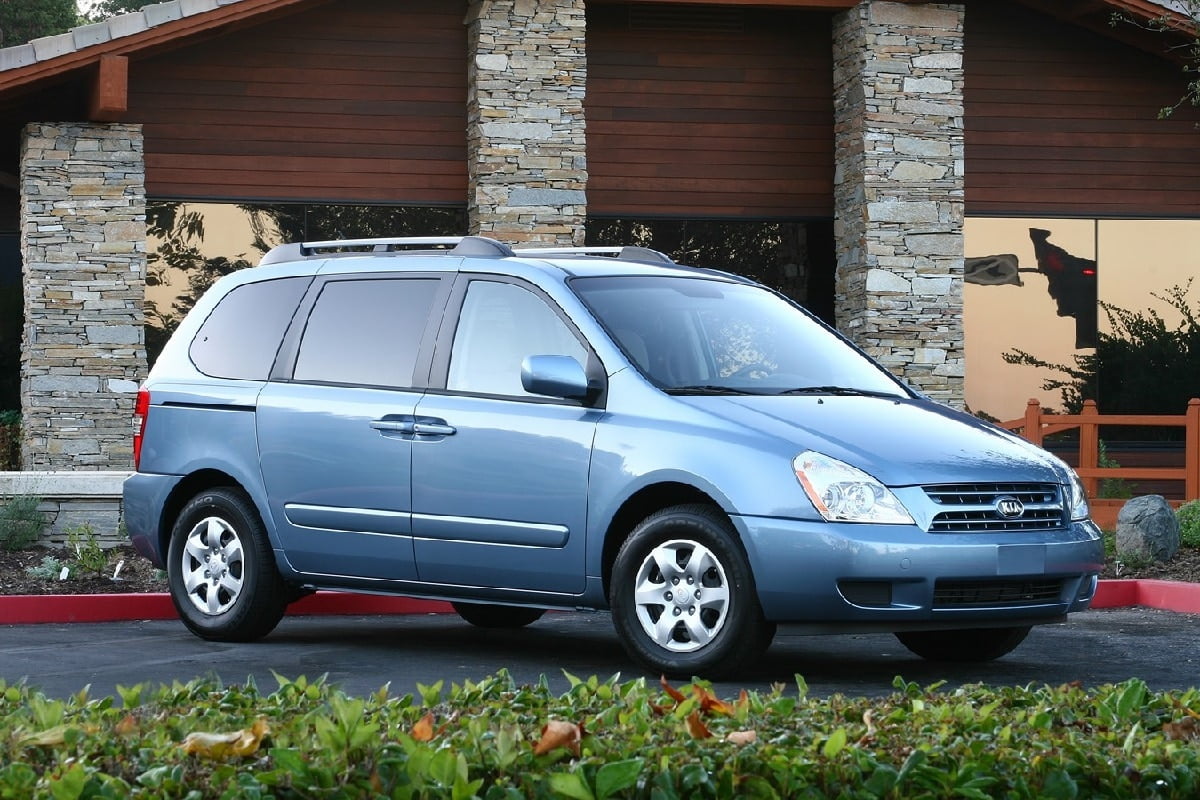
x=555 y=376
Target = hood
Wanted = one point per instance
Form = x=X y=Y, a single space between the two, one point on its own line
x=901 y=441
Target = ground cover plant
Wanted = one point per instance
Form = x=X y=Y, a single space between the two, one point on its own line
x=600 y=739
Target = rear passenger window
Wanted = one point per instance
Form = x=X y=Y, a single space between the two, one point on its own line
x=242 y=334
x=366 y=332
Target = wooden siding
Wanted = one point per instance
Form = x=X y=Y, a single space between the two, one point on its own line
x=1062 y=121
x=725 y=114
x=356 y=101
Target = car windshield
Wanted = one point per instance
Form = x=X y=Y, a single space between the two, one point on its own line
x=708 y=336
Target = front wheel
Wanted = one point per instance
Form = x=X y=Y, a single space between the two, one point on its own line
x=221 y=571
x=975 y=644
x=683 y=597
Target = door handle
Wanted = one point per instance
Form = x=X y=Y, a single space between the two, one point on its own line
x=392 y=425
x=433 y=429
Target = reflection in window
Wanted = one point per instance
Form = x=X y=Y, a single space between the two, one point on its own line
x=191 y=245
x=796 y=259
x=500 y=325
x=1041 y=321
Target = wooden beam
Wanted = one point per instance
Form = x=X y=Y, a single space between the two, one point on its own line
x=109 y=98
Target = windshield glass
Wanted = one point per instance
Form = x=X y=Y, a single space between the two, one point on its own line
x=703 y=336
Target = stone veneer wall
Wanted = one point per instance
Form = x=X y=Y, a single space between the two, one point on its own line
x=898 y=188
x=526 y=148
x=83 y=246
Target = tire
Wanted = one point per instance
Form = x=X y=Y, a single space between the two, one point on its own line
x=221 y=571
x=482 y=615
x=719 y=626
x=977 y=644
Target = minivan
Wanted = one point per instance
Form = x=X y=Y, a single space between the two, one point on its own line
x=521 y=429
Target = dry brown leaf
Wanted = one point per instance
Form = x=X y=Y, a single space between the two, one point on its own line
x=742 y=737
x=225 y=745
x=127 y=726
x=1187 y=729
x=696 y=726
x=558 y=733
x=710 y=703
x=423 y=730
x=743 y=700
x=869 y=721
x=674 y=693
x=659 y=711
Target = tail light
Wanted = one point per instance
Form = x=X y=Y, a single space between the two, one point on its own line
x=141 y=410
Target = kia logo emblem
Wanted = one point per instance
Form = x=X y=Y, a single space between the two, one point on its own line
x=1009 y=507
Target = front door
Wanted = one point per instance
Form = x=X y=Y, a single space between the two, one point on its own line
x=500 y=476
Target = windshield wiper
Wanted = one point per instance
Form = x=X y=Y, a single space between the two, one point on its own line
x=841 y=390
x=706 y=388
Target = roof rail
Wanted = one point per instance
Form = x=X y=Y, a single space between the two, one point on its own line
x=626 y=253
x=457 y=245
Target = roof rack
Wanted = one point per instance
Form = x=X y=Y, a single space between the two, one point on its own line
x=626 y=253
x=450 y=245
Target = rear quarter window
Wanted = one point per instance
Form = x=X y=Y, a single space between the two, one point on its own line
x=241 y=336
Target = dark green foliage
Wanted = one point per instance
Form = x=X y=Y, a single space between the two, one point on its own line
x=479 y=740
x=1142 y=366
x=23 y=20
x=1188 y=515
x=10 y=440
x=20 y=522
x=103 y=9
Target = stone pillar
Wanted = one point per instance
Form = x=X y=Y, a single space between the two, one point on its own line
x=526 y=156
x=83 y=245
x=898 y=188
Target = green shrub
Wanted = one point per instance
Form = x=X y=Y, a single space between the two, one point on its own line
x=48 y=570
x=497 y=740
x=90 y=557
x=1188 y=515
x=1112 y=488
x=21 y=524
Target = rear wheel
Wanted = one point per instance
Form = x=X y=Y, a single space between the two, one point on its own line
x=683 y=597
x=221 y=571
x=976 y=644
x=482 y=615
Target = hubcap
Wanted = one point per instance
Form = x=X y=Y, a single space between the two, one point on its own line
x=681 y=596
x=213 y=565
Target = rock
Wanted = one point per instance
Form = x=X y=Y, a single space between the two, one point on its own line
x=1147 y=529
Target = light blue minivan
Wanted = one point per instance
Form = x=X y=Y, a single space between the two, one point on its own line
x=515 y=430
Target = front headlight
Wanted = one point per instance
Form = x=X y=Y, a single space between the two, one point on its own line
x=842 y=493
x=1078 y=497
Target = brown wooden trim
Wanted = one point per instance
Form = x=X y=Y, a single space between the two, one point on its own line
x=109 y=97
x=158 y=38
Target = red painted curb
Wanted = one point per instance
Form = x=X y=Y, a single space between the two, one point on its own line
x=29 y=609
x=25 y=609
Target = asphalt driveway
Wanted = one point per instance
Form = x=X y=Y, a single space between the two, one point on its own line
x=363 y=653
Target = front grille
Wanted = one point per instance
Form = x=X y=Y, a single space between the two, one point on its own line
x=976 y=594
x=975 y=507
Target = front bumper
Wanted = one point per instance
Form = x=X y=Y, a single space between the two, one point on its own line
x=860 y=575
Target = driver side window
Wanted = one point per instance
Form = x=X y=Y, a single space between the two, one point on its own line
x=500 y=325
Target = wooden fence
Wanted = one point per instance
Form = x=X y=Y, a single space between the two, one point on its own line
x=1036 y=425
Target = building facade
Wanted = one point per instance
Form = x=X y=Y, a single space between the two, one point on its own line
x=888 y=162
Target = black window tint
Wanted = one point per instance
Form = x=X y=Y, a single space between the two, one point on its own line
x=241 y=336
x=366 y=332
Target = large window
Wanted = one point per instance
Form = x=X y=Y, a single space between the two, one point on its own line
x=1099 y=309
x=191 y=245
x=795 y=258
